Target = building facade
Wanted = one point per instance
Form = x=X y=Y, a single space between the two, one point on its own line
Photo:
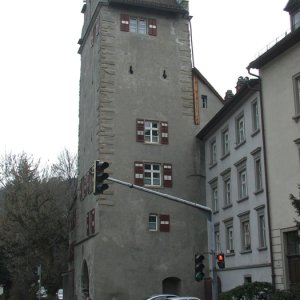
x=137 y=111
x=235 y=187
x=279 y=71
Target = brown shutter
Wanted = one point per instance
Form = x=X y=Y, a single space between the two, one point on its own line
x=140 y=130
x=88 y=223
x=164 y=133
x=167 y=173
x=92 y=213
x=152 y=28
x=164 y=223
x=139 y=173
x=124 y=22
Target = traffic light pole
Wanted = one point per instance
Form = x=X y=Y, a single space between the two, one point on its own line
x=208 y=213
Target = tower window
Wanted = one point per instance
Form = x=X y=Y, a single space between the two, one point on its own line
x=138 y=24
x=204 y=101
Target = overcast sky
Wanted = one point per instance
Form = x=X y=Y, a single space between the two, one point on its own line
x=39 y=64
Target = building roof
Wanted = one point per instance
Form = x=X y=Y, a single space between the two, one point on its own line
x=166 y=5
x=292 y=5
x=205 y=81
x=229 y=106
x=287 y=42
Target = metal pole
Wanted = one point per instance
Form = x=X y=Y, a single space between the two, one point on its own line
x=208 y=214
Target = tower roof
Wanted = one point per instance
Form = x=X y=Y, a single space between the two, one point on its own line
x=167 y=5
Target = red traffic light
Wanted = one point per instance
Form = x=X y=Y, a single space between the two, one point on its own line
x=221 y=260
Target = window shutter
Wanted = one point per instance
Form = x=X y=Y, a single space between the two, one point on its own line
x=88 y=223
x=124 y=22
x=164 y=223
x=139 y=173
x=167 y=175
x=164 y=132
x=140 y=131
x=92 y=212
x=152 y=28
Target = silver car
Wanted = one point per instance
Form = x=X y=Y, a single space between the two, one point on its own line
x=161 y=297
x=185 y=298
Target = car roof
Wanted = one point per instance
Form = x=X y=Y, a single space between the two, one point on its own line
x=159 y=295
x=185 y=298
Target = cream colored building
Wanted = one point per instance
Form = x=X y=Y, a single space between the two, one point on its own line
x=279 y=71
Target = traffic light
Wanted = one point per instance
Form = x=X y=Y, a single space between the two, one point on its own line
x=100 y=176
x=199 y=266
x=221 y=260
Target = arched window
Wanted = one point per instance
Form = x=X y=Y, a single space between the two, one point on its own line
x=85 y=279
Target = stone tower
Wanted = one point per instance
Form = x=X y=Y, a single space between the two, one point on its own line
x=137 y=113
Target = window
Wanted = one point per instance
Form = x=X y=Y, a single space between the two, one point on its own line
x=247 y=279
x=240 y=130
x=229 y=234
x=90 y=222
x=296 y=80
x=214 y=195
x=162 y=220
x=245 y=232
x=138 y=24
x=296 y=20
x=262 y=238
x=152 y=132
x=225 y=142
x=213 y=152
x=204 y=101
x=242 y=179
x=255 y=116
x=153 y=174
x=227 y=187
x=217 y=238
x=297 y=142
x=258 y=170
x=152 y=222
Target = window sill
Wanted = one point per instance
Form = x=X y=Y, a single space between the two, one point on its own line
x=240 y=144
x=254 y=133
x=259 y=191
x=227 y=206
x=246 y=251
x=225 y=155
x=216 y=212
x=212 y=165
x=242 y=199
x=262 y=248
x=296 y=118
x=232 y=253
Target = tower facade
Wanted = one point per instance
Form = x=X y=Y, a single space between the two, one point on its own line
x=137 y=113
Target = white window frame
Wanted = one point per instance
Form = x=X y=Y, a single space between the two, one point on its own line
x=242 y=181
x=240 y=129
x=296 y=84
x=229 y=235
x=261 y=227
x=217 y=237
x=137 y=24
x=258 y=172
x=153 y=225
x=255 y=116
x=213 y=152
x=227 y=197
x=152 y=175
x=151 y=132
x=245 y=232
x=214 y=195
x=225 y=142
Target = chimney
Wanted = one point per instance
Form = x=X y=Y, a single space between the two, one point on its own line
x=241 y=82
x=229 y=95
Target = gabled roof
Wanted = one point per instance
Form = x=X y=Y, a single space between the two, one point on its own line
x=166 y=5
x=292 y=5
x=286 y=43
x=230 y=105
x=205 y=81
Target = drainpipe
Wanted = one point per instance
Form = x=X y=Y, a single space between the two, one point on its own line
x=266 y=173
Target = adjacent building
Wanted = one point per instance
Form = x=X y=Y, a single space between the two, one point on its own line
x=279 y=72
x=235 y=186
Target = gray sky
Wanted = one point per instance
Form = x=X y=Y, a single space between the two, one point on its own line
x=39 y=64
